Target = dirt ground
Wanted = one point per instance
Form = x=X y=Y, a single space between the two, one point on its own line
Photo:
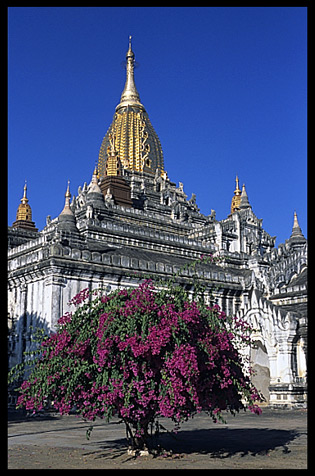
x=277 y=439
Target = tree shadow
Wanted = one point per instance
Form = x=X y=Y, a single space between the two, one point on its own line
x=217 y=443
x=225 y=442
x=109 y=449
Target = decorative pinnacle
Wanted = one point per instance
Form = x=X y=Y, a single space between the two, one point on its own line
x=295 y=221
x=24 y=199
x=130 y=53
x=236 y=200
x=130 y=95
x=297 y=235
x=296 y=230
x=66 y=209
x=244 y=199
x=237 y=190
x=68 y=194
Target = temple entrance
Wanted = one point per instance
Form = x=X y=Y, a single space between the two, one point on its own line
x=260 y=364
x=300 y=359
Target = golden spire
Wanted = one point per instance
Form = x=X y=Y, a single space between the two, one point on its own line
x=236 y=200
x=237 y=187
x=24 y=214
x=136 y=143
x=130 y=95
x=24 y=199
x=24 y=211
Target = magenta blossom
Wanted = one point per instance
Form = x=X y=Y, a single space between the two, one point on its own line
x=142 y=354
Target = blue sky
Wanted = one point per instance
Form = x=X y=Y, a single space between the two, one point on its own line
x=225 y=89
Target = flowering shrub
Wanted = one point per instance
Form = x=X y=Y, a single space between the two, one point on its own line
x=142 y=354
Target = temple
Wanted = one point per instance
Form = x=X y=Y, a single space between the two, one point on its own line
x=128 y=220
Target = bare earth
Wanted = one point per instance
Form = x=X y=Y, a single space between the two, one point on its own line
x=277 y=439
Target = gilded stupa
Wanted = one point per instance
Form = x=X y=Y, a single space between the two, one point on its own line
x=136 y=143
x=24 y=214
x=236 y=200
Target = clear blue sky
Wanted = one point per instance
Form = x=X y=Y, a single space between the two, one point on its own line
x=225 y=89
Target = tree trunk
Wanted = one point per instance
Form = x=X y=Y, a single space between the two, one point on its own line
x=137 y=444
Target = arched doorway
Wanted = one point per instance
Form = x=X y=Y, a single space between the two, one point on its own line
x=299 y=363
x=261 y=367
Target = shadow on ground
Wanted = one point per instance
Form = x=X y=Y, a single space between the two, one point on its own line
x=225 y=442
x=217 y=443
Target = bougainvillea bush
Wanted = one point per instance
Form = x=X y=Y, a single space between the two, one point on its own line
x=141 y=354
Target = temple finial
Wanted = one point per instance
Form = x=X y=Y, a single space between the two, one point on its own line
x=130 y=95
x=130 y=53
x=236 y=200
x=68 y=194
x=237 y=190
x=296 y=230
x=66 y=209
x=295 y=221
x=24 y=199
x=24 y=214
x=244 y=203
x=297 y=237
